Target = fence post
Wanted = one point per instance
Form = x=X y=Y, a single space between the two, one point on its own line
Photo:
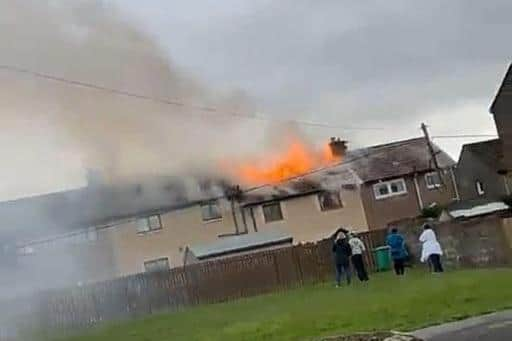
x=298 y=266
x=276 y=267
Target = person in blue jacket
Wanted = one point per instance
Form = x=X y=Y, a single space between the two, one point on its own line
x=398 y=251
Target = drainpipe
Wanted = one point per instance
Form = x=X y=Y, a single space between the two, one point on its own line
x=251 y=211
x=244 y=220
x=233 y=211
x=507 y=187
x=454 y=181
x=417 y=188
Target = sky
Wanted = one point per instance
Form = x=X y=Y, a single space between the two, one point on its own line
x=373 y=64
x=389 y=65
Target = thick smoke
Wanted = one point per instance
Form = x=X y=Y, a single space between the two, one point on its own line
x=125 y=138
x=121 y=136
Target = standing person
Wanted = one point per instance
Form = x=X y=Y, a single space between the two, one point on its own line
x=398 y=251
x=342 y=253
x=357 y=247
x=431 y=249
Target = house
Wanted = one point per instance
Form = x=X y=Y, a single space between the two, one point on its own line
x=308 y=208
x=160 y=223
x=478 y=171
x=501 y=109
x=399 y=179
x=64 y=238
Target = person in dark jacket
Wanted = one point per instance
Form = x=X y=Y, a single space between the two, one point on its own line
x=398 y=251
x=342 y=252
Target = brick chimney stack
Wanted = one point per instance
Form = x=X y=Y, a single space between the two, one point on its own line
x=338 y=147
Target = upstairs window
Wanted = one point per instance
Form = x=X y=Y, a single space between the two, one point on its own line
x=432 y=180
x=272 y=212
x=329 y=201
x=390 y=188
x=157 y=265
x=480 y=188
x=211 y=211
x=150 y=223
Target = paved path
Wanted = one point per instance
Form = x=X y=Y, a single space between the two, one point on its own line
x=491 y=327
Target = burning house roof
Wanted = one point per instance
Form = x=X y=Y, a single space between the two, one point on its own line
x=359 y=166
x=98 y=203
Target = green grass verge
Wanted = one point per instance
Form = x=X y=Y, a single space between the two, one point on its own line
x=385 y=303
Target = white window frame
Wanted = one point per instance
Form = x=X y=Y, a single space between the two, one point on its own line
x=269 y=204
x=480 y=190
x=433 y=186
x=161 y=259
x=210 y=203
x=147 y=220
x=379 y=196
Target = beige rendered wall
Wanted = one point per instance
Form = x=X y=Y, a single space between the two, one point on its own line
x=302 y=218
x=306 y=222
x=180 y=228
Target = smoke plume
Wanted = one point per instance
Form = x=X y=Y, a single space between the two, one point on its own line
x=119 y=135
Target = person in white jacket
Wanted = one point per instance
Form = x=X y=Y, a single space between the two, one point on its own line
x=431 y=249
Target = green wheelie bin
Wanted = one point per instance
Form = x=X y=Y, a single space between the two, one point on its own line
x=382 y=258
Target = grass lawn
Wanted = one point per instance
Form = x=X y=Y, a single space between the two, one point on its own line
x=385 y=303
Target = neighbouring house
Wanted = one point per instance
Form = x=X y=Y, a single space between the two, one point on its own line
x=478 y=171
x=65 y=238
x=501 y=108
x=399 y=180
x=308 y=208
x=238 y=245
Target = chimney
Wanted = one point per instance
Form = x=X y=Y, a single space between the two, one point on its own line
x=338 y=147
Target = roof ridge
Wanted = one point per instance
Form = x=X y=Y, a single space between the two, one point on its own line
x=481 y=142
x=508 y=76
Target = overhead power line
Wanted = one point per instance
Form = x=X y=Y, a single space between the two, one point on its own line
x=463 y=136
x=177 y=103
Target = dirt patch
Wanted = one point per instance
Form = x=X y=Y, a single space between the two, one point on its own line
x=372 y=337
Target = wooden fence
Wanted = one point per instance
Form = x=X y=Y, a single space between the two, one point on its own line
x=202 y=283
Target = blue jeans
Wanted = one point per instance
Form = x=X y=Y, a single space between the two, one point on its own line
x=343 y=269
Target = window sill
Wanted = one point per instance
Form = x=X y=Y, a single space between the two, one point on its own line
x=212 y=221
x=274 y=221
x=148 y=232
x=433 y=188
x=331 y=209
x=391 y=196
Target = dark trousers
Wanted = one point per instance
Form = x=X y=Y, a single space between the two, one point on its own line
x=358 y=262
x=399 y=266
x=435 y=260
x=343 y=269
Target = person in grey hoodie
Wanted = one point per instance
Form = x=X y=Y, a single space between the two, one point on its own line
x=358 y=248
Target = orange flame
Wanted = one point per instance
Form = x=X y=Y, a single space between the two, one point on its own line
x=297 y=159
